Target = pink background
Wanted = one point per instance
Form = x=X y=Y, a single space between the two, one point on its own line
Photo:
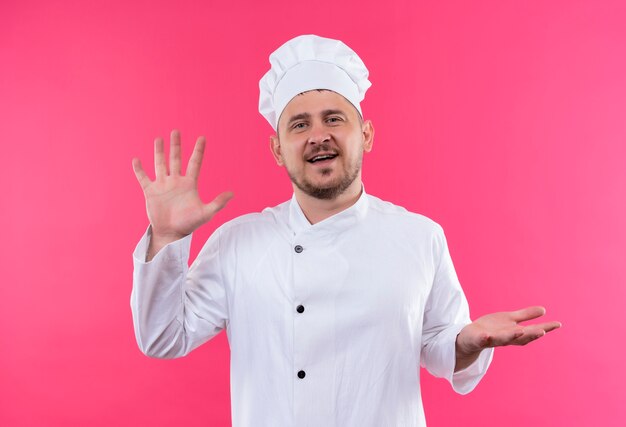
x=504 y=121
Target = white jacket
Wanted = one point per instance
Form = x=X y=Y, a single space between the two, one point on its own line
x=327 y=323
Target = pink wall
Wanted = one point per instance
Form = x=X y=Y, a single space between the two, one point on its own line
x=504 y=121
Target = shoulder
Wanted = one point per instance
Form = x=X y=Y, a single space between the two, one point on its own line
x=418 y=236
x=267 y=220
x=400 y=217
x=249 y=233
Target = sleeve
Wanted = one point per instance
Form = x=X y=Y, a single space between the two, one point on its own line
x=446 y=313
x=176 y=308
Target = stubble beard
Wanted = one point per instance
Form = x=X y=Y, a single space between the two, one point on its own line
x=331 y=190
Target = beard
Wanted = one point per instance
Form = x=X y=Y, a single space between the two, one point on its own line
x=330 y=190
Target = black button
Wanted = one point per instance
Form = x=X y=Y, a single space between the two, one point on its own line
x=300 y=308
x=301 y=374
x=298 y=249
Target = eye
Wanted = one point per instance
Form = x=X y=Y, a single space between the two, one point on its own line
x=334 y=119
x=298 y=125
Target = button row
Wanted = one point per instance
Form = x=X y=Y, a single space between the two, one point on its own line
x=300 y=308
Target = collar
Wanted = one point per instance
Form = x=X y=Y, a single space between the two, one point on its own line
x=298 y=222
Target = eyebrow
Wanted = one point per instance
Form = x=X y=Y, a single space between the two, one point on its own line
x=324 y=113
x=300 y=116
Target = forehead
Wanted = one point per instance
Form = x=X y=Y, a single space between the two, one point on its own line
x=313 y=102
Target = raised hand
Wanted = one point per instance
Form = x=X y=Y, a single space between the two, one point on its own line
x=500 y=329
x=172 y=201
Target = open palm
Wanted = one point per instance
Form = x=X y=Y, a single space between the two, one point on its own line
x=503 y=328
x=172 y=201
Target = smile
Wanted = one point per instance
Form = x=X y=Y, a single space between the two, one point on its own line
x=322 y=157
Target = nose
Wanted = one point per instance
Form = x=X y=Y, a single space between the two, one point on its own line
x=318 y=134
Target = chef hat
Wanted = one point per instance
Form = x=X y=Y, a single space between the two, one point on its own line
x=311 y=62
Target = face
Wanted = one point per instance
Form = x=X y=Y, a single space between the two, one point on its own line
x=320 y=141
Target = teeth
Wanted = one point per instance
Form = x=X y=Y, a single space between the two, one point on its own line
x=324 y=157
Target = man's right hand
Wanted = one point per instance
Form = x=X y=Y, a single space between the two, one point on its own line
x=172 y=201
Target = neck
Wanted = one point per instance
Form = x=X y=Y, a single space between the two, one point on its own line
x=317 y=210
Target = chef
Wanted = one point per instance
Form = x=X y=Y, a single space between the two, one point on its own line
x=331 y=300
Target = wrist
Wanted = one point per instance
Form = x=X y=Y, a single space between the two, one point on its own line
x=464 y=357
x=162 y=240
x=163 y=237
x=464 y=346
x=158 y=241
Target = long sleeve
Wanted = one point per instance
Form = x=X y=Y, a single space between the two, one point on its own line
x=175 y=307
x=446 y=313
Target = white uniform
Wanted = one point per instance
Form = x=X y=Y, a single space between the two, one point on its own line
x=327 y=323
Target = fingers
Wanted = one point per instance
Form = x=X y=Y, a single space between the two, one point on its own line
x=217 y=204
x=160 y=168
x=195 y=162
x=552 y=326
x=547 y=327
x=529 y=337
x=143 y=179
x=175 y=152
x=501 y=338
x=534 y=332
x=528 y=313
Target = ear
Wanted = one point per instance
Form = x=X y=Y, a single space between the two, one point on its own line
x=276 y=151
x=368 y=136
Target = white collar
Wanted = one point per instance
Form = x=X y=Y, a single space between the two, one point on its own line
x=338 y=222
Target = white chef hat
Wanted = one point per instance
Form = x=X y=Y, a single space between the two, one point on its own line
x=311 y=62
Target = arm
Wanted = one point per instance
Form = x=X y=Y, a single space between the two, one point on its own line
x=176 y=308
x=446 y=314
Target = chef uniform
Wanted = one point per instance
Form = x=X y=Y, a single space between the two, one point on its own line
x=328 y=323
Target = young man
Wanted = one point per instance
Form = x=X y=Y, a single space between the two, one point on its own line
x=331 y=300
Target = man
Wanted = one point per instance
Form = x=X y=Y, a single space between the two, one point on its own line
x=331 y=300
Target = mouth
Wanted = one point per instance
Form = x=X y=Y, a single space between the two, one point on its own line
x=322 y=158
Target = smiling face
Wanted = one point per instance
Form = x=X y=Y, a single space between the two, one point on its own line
x=321 y=139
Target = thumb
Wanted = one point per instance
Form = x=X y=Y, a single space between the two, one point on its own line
x=216 y=204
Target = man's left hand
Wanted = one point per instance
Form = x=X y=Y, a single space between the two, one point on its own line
x=499 y=329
